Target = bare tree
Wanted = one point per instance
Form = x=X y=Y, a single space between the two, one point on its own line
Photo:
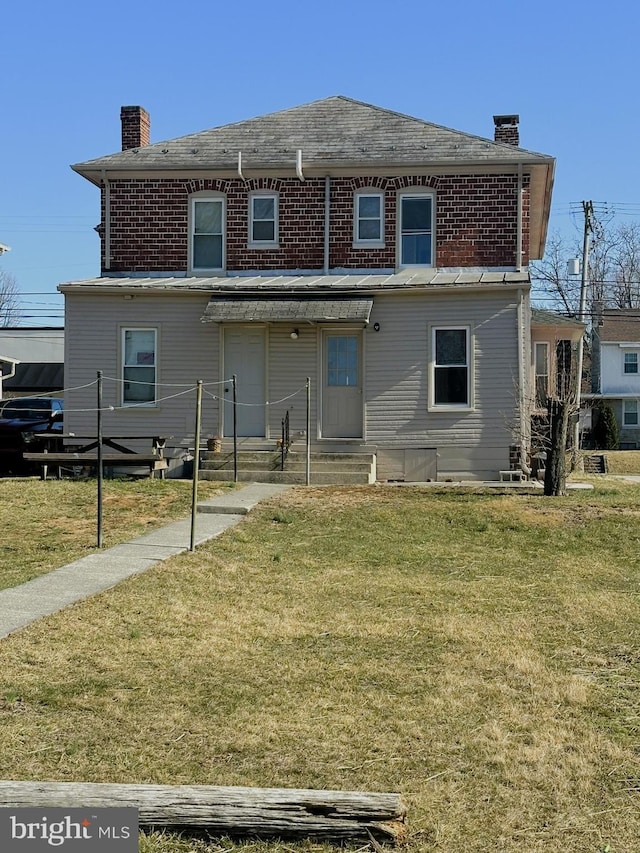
x=9 y=300
x=614 y=270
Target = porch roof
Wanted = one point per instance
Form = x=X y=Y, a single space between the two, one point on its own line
x=287 y=309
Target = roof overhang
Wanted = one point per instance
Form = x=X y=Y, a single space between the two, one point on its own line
x=242 y=309
x=293 y=285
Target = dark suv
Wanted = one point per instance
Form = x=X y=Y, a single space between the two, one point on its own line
x=21 y=421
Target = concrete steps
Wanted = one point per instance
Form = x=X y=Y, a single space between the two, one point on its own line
x=263 y=466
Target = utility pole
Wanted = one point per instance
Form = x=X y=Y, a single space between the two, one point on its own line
x=587 y=207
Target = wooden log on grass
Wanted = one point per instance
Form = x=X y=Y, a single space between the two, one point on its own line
x=332 y=816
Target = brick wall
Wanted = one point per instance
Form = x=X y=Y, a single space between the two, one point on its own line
x=475 y=222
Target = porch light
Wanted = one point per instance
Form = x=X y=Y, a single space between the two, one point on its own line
x=294 y=335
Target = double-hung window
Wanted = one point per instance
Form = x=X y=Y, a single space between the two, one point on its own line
x=631 y=362
x=451 y=382
x=415 y=230
x=630 y=413
x=207 y=233
x=263 y=220
x=369 y=219
x=139 y=365
x=542 y=373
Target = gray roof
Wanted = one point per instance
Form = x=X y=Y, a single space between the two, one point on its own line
x=423 y=279
x=540 y=317
x=274 y=308
x=330 y=132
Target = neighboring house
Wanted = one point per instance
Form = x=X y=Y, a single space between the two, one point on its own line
x=616 y=379
x=553 y=357
x=38 y=356
x=383 y=257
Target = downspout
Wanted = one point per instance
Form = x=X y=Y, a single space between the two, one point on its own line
x=107 y=221
x=522 y=397
x=519 y=220
x=327 y=216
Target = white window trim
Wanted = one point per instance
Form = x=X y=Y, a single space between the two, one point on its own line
x=123 y=333
x=635 y=372
x=420 y=192
x=469 y=406
x=378 y=242
x=636 y=425
x=207 y=195
x=260 y=244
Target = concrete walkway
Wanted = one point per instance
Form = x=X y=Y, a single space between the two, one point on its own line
x=102 y=570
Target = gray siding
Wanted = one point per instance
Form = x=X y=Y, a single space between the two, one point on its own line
x=472 y=444
x=469 y=443
x=290 y=363
x=188 y=350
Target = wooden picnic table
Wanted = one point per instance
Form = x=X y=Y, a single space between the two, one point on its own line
x=84 y=452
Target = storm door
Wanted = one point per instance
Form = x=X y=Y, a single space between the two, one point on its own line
x=342 y=385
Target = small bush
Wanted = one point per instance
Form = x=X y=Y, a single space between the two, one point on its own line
x=605 y=430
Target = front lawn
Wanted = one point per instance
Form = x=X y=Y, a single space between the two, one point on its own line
x=477 y=652
x=44 y=525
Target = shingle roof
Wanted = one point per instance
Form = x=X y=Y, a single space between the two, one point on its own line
x=541 y=317
x=332 y=131
x=622 y=325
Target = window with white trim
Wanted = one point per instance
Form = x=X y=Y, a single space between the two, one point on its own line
x=368 y=219
x=139 y=360
x=207 y=233
x=451 y=367
x=630 y=413
x=263 y=219
x=542 y=373
x=415 y=230
x=631 y=362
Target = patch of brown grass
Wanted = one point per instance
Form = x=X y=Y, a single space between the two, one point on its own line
x=457 y=648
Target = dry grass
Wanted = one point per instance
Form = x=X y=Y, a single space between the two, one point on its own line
x=45 y=525
x=623 y=461
x=478 y=653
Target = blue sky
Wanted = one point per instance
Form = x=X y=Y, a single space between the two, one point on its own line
x=569 y=70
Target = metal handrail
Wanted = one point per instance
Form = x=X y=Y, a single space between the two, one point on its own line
x=285 y=440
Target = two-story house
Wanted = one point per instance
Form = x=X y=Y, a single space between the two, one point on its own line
x=382 y=257
x=616 y=371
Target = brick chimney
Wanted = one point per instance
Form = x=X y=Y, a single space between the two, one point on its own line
x=135 y=127
x=507 y=130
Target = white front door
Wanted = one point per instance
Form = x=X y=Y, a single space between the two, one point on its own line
x=244 y=356
x=342 y=385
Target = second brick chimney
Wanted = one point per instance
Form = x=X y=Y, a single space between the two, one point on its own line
x=507 y=130
x=135 y=127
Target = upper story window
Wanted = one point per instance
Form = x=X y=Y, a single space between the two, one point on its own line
x=415 y=229
x=207 y=233
x=542 y=373
x=139 y=359
x=263 y=219
x=451 y=367
x=631 y=362
x=369 y=219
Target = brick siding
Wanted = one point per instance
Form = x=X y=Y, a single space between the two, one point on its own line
x=475 y=222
